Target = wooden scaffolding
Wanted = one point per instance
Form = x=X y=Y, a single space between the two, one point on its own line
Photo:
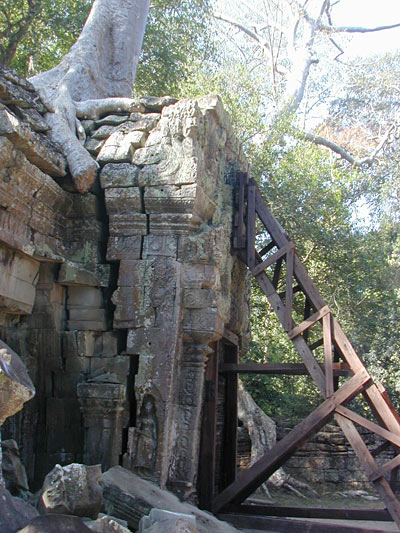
x=275 y=265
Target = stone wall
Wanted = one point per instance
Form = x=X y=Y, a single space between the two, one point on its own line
x=112 y=298
x=328 y=462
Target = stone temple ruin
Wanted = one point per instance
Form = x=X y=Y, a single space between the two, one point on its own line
x=127 y=302
x=113 y=298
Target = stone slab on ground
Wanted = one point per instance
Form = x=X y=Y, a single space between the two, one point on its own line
x=55 y=524
x=14 y=512
x=130 y=497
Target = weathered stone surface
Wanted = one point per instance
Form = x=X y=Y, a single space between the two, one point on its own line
x=14 y=512
x=38 y=148
x=13 y=470
x=128 y=224
x=123 y=200
x=85 y=297
x=111 y=120
x=160 y=520
x=157 y=103
x=18 y=280
x=17 y=94
x=129 y=497
x=120 y=247
x=74 y=489
x=59 y=523
x=16 y=387
x=103 y=132
x=144 y=122
x=119 y=175
x=103 y=405
x=74 y=274
x=108 y=524
x=121 y=146
x=93 y=146
x=33 y=118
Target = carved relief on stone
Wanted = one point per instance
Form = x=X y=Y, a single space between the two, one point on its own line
x=146 y=439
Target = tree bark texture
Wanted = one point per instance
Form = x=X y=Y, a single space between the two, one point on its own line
x=101 y=66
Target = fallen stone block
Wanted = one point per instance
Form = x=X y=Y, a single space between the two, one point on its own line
x=108 y=524
x=55 y=524
x=14 y=512
x=16 y=387
x=160 y=520
x=14 y=473
x=130 y=497
x=73 y=489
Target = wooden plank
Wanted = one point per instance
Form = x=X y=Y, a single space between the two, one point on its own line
x=248 y=480
x=368 y=462
x=286 y=525
x=251 y=226
x=209 y=433
x=273 y=227
x=230 y=337
x=309 y=512
x=327 y=334
x=384 y=412
x=386 y=468
x=267 y=248
x=315 y=344
x=342 y=342
x=306 y=315
x=289 y=289
x=300 y=344
x=306 y=324
x=272 y=259
x=229 y=457
x=281 y=369
x=277 y=273
x=380 y=449
x=371 y=426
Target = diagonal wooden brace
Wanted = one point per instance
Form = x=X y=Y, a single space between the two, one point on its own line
x=253 y=477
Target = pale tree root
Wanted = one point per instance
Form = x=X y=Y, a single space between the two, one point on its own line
x=67 y=132
x=262 y=433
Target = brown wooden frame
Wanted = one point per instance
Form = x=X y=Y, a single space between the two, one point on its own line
x=339 y=358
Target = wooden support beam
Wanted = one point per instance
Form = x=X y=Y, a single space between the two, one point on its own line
x=315 y=344
x=386 y=468
x=231 y=337
x=328 y=353
x=281 y=369
x=277 y=273
x=367 y=461
x=251 y=226
x=272 y=259
x=267 y=249
x=286 y=525
x=306 y=324
x=289 y=289
x=300 y=344
x=309 y=512
x=229 y=458
x=371 y=426
x=248 y=480
x=209 y=433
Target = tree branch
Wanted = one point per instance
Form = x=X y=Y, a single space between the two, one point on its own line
x=344 y=154
x=355 y=29
x=253 y=35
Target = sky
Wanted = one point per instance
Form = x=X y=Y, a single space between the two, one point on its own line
x=370 y=13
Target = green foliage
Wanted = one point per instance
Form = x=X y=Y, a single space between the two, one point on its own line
x=49 y=35
x=177 y=36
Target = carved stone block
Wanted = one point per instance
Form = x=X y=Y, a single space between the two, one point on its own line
x=123 y=200
x=124 y=247
x=128 y=224
x=119 y=175
x=160 y=245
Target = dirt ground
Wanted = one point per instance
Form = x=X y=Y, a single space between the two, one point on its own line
x=327 y=500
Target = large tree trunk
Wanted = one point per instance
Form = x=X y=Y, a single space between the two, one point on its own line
x=100 y=67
